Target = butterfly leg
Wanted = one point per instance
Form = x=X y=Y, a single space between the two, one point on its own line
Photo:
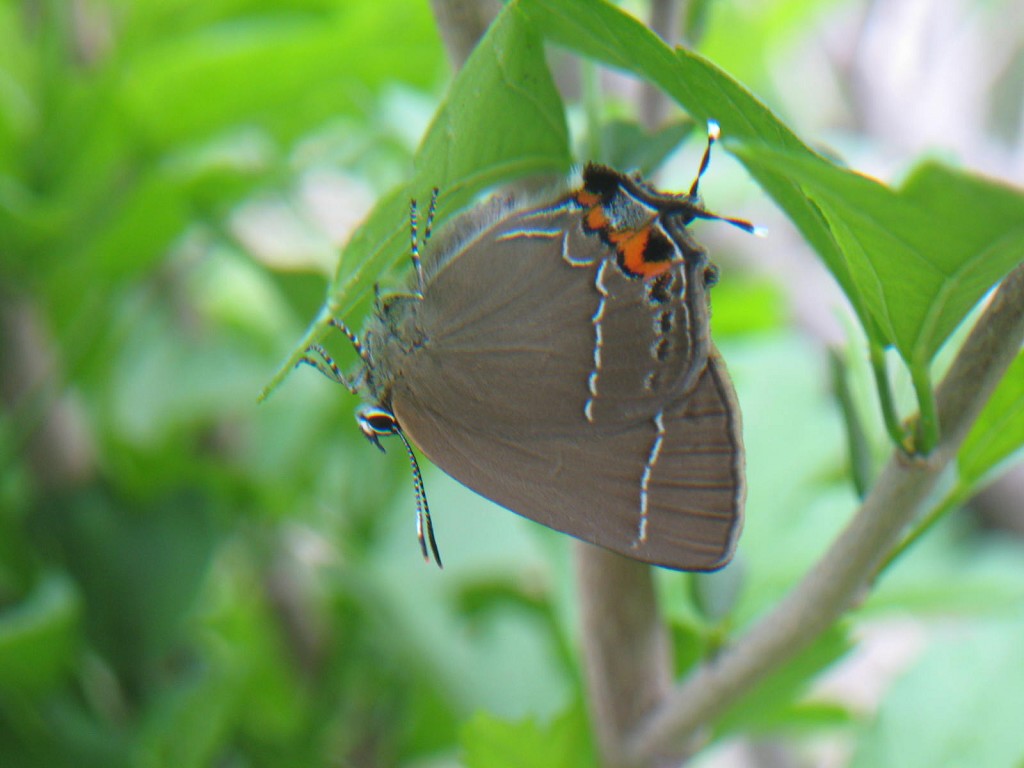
x=318 y=357
x=415 y=243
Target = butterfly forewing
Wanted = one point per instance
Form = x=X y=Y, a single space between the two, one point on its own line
x=564 y=337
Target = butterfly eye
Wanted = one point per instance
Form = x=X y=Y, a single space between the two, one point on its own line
x=374 y=422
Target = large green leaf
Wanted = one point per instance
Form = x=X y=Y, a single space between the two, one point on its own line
x=920 y=256
x=604 y=33
x=502 y=119
x=912 y=261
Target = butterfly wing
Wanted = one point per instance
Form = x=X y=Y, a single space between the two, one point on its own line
x=667 y=490
x=533 y=327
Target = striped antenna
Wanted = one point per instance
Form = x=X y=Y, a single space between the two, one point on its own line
x=414 y=245
x=375 y=422
x=423 y=522
x=714 y=133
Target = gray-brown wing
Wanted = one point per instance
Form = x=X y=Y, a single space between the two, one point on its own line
x=534 y=327
x=667 y=490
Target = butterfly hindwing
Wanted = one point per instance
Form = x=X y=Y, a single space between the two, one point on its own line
x=667 y=490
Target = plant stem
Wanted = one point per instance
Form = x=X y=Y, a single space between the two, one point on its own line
x=889 y=415
x=926 y=436
x=665 y=21
x=842 y=574
x=590 y=81
x=857 y=443
x=625 y=647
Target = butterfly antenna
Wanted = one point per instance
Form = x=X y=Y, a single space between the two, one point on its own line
x=743 y=224
x=714 y=132
x=424 y=527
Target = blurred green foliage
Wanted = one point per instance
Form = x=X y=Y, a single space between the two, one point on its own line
x=187 y=579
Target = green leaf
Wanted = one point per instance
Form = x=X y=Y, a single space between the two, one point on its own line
x=502 y=120
x=39 y=635
x=139 y=568
x=283 y=70
x=920 y=257
x=999 y=431
x=606 y=34
x=602 y=32
x=488 y=742
x=975 y=235
x=199 y=705
x=959 y=705
x=631 y=147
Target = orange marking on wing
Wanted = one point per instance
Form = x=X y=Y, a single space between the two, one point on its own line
x=596 y=219
x=633 y=248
